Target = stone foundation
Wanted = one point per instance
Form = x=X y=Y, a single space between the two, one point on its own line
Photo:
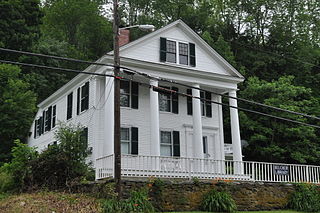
x=178 y=195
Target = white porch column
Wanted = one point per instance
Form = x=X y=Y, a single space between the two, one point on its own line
x=197 y=124
x=108 y=117
x=235 y=132
x=154 y=120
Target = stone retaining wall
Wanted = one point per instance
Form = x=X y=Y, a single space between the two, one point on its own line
x=177 y=195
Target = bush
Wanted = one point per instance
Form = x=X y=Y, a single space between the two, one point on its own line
x=17 y=173
x=305 y=198
x=138 y=202
x=56 y=167
x=63 y=163
x=6 y=181
x=215 y=201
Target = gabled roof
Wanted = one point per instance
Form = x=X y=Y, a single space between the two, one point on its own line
x=185 y=28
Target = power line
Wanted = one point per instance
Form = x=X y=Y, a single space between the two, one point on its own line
x=158 y=78
x=164 y=89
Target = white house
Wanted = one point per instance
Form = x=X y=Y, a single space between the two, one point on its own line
x=160 y=132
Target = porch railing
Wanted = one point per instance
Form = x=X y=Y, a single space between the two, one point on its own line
x=171 y=167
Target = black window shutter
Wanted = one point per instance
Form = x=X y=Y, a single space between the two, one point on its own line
x=85 y=97
x=176 y=143
x=35 y=129
x=78 y=101
x=163 y=49
x=69 y=106
x=189 y=102
x=134 y=140
x=49 y=117
x=175 y=101
x=134 y=95
x=54 y=112
x=192 y=54
x=43 y=121
x=208 y=105
x=84 y=135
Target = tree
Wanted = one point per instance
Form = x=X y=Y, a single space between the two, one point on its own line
x=80 y=24
x=279 y=141
x=17 y=108
x=20 y=24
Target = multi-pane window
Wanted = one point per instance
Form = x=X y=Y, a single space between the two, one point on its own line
x=206 y=105
x=205 y=144
x=177 y=52
x=83 y=98
x=48 y=116
x=165 y=143
x=125 y=93
x=171 y=51
x=69 y=105
x=168 y=101
x=165 y=101
x=129 y=93
x=183 y=53
x=170 y=143
x=129 y=140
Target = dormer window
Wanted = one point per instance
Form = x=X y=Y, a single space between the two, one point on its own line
x=185 y=54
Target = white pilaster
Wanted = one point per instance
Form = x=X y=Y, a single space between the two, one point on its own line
x=154 y=120
x=235 y=132
x=197 y=124
x=109 y=117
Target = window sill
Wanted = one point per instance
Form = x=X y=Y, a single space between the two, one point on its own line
x=165 y=112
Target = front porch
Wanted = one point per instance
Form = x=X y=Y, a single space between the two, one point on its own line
x=180 y=167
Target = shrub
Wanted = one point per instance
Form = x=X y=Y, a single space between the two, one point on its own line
x=17 y=172
x=215 y=201
x=61 y=164
x=6 y=181
x=305 y=198
x=138 y=202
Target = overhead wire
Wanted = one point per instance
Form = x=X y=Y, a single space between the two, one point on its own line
x=162 y=89
x=159 y=79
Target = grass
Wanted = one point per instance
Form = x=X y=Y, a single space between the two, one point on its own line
x=276 y=211
x=43 y=202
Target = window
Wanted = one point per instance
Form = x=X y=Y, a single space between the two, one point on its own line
x=129 y=93
x=205 y=144
x=37 y=127
x=47 y=123
x=206 y=106
x=83 y=98
x=168 y=101
x=69 y=105
x=170 y=143
x=129 y=140
x=185 y=54
x=171 y=51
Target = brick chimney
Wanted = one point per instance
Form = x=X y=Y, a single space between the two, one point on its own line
x=124 y=37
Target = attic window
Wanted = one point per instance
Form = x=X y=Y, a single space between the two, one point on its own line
x=185 y=54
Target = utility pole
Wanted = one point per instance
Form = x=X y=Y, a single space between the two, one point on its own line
x=117 y=145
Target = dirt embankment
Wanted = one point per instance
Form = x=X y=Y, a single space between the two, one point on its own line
x=49 y=202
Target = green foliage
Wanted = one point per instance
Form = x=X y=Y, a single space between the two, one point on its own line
x=55 y=167
x=306 y=198
x=278 y=141
x=80 y=24
x=20 y=25
x=215 y=201
x=18 y=171
x=138 y=202
x=63 y=163
x=156 y=192
x=17 y=107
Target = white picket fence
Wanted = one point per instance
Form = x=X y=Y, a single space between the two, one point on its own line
x=179 y=167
